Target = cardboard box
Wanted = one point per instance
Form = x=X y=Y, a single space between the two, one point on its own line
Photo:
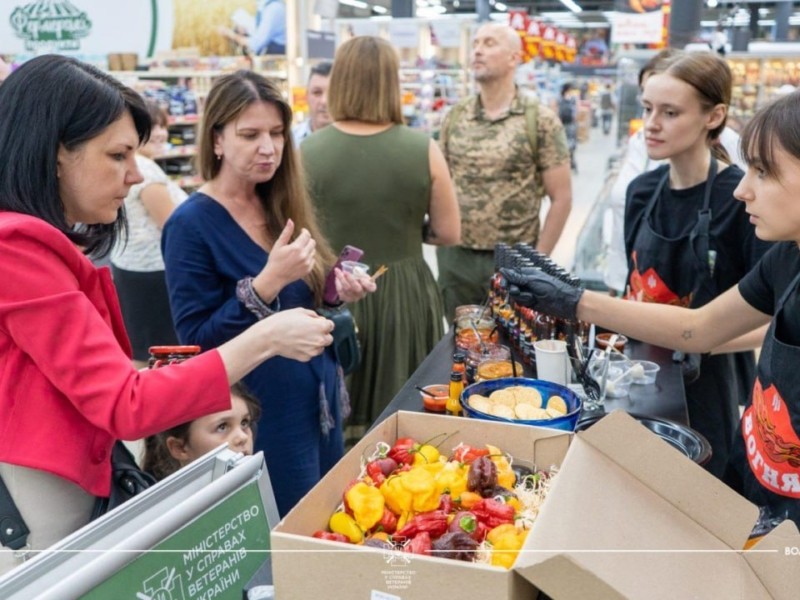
x=304 y=567
x=627 y=517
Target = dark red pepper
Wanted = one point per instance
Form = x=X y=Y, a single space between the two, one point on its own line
x=375 y=473
x=388 y=522
x=433 y=523
x=492 y=513
x=420 y=544
x=446 y=503
x=327 y=535
x=401 y=450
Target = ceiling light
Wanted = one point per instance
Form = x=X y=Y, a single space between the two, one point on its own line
x=381 y=10
x=354 y=3
x=500 y=6
x=712 y=3
x=573 y=6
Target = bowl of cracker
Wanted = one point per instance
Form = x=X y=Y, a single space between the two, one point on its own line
x=522 y=401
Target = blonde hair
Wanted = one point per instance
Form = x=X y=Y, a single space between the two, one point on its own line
x=284 y=196
x=365 y=82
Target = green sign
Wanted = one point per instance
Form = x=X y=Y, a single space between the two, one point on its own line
x=51 y=25
x=213 y=557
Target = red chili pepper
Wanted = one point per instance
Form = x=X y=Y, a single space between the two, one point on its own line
x=327 y=535
x=433 y=522
x=420 y=544
x=401 y=450
x=446 y=503
x=388 y=522
x=375 y=473
x=467 y=454
x=492 y=513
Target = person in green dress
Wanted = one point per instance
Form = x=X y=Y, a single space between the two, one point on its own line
x=373 y=181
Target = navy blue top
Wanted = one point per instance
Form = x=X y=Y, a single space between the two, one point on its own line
x=206 y=253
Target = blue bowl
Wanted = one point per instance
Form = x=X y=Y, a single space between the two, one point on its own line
x=545 y=388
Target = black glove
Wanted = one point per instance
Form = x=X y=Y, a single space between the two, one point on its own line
x=536 y=289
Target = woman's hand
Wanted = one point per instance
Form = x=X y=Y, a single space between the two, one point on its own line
x=288 y=261
x=298 y=334
x=352 y=288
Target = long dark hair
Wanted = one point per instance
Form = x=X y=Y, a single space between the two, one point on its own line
x=53 y=101
x=284 y=196
x=157 y=459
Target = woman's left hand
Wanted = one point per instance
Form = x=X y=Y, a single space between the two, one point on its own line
x=352 y=288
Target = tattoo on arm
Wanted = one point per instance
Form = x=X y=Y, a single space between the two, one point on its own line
x=687 y=334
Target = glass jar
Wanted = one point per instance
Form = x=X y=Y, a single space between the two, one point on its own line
x=167 y=355
x=469 y=329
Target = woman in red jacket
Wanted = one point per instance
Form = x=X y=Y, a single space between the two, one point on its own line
x=68 y=391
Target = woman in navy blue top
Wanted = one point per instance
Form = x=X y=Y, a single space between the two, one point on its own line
x=246 y=245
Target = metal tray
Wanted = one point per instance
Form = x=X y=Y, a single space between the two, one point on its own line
x=681 y=437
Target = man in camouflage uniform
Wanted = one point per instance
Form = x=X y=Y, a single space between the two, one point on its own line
x=489 y=150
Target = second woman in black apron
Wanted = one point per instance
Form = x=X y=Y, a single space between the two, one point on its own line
x=687 y=246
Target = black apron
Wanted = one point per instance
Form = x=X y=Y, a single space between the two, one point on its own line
x=680 y=271
x=766 y=452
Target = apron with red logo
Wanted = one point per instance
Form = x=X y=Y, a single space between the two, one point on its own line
x=769 y=443
x=679 y=271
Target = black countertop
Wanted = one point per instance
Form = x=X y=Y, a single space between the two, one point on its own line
x=665 y=398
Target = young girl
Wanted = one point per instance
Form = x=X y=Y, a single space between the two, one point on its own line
x=764 y=463
x=168 y=451
x=686 y=238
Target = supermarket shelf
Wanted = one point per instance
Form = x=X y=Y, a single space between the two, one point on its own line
x=184 y=120
x=177 y=152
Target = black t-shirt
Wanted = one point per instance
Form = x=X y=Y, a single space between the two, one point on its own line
x=766 y=283
x=675 y=214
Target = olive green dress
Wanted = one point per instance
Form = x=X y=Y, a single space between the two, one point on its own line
x=373 y=192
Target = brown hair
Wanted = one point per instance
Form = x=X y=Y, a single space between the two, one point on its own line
x=657 y=63
x=157 y=459
x=711 y=78
x=365 y=84
x=776 y=123
x=158 y=115
x=284 y=196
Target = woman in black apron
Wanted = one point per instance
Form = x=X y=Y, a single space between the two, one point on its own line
x=764 y=464
x=689 y=241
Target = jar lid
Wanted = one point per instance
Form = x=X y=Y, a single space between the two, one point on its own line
x=174 y=349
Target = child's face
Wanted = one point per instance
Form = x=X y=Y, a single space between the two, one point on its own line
x=209 y=432
x=771 y=200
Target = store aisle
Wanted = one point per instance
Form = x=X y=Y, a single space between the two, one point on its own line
x=592 y=158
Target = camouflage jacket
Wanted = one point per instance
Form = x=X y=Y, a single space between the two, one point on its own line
x=494 y=170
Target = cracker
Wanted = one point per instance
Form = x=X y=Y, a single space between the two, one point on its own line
x=558 y=404
x=505 y=397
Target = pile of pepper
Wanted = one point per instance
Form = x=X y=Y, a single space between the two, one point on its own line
x=412 y=498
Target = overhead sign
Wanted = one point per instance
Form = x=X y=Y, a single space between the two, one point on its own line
x=84 y=28
x=637 y=28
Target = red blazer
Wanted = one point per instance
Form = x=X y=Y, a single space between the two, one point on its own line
x=68 y=389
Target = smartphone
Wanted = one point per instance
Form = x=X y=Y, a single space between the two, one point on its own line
x=348 y=253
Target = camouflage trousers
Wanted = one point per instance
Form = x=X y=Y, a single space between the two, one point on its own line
x=464 y=276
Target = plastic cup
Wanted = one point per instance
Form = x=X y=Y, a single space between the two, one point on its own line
x=358 y=269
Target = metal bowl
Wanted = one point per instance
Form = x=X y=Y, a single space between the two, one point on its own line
x=681 y=437
x=545 y=388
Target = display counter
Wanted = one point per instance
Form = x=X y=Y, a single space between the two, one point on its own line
x=665 y=398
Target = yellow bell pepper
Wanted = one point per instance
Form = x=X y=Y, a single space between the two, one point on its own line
x=505 y=474
x=396 y=496
x=422 y=485
x=452 y=479
x=367 y=504
x=426 y=454
x=506 y=542
x=343 y=523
